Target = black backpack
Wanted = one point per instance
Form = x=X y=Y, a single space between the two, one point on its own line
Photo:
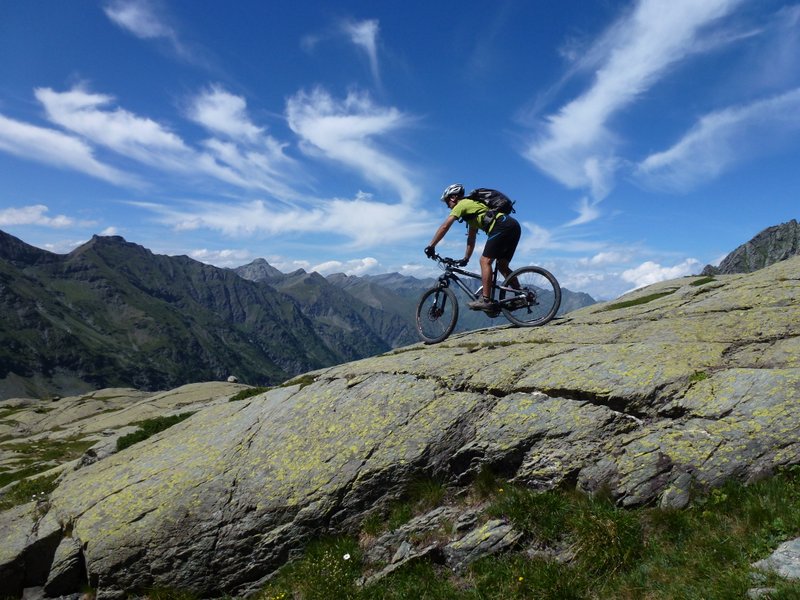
x=496 y=201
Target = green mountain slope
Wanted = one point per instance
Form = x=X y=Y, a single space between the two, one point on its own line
x=112 y=313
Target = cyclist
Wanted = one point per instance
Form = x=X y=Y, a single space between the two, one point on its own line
x=503 y=232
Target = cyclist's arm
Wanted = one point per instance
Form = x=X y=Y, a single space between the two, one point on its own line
x=473 y=232
x=442 y=231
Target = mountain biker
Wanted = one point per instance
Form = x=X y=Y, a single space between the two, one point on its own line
x=503 y=231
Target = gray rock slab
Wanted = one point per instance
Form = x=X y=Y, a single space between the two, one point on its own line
x=785 y=561
x=492 y=537
x=67 y=572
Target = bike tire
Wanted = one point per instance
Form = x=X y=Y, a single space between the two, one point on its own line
x=544 y=304
x=437 y=313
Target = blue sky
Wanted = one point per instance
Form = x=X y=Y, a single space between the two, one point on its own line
x=641 y=140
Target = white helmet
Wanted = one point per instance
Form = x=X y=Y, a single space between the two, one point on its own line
x=453 y=190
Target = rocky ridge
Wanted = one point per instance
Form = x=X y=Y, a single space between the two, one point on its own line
x=672 y=388
x=771 y=245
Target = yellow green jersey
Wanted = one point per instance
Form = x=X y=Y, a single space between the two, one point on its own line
x=471 y=212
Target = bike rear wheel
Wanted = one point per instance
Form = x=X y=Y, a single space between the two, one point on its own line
x=537 y=300
x=437 y=313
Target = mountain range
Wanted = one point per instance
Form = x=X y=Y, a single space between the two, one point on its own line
x=112 y=313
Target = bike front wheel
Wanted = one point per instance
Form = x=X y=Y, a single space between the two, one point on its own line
x=437 y=313
x=534 y=299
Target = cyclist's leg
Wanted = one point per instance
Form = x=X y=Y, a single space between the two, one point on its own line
x=502 y=245
x=486 y=275
x=504 y=266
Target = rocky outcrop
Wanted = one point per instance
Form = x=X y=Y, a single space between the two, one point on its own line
x=673 y=388
x=772 y=245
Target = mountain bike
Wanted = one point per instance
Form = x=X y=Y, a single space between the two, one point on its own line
x=530 y=296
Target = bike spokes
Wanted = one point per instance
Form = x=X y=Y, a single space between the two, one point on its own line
x=535 y=299
x=437 y=313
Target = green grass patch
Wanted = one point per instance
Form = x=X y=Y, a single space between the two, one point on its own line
x=517 y=576
x=302 y=381
x=698 y=376
x=638 y=301
x=702 y=281
x=7 y=412
x=421 y=580
x=150 y=427
x=41 y=455
x=328 y=569
x=51 y=450
x=603 y=551
x=248 y=393
x=542 y=516
x=30 y=489
x=10 y=476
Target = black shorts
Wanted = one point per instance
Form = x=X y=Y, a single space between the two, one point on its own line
x=503 y=239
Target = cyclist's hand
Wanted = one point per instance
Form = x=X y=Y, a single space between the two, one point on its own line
x=463 y=262
x=430 y=251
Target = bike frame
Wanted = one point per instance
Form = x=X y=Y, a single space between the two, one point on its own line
x=451 y=273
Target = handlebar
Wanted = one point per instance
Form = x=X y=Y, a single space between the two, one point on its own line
x=449 y=262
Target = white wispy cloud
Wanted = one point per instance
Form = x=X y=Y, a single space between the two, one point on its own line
x=536 y=238
x=246 y=147
x=362 y=222
x=57 y=149
x=137 y=17
x=364 y=34
x=224 y=113
x=35 y=214
x=606 y=257
x=88 y=115
x=588 y=211
x=577 y=146
x=346 y=131
x=140 y=18
x=94 y=117
x=140 y=138
x=722 y=139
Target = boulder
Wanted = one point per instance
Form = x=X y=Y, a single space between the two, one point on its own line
x=785 y=561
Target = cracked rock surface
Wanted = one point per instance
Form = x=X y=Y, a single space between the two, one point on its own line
x=695 y=384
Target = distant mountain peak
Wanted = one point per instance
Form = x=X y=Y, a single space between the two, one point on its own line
x=769 y=246
x=15 y=251
x=258 y=270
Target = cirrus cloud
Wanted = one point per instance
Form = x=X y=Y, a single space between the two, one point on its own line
x=56 y=148
x=577 y=145
x=346 y=131
x=722 y=139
